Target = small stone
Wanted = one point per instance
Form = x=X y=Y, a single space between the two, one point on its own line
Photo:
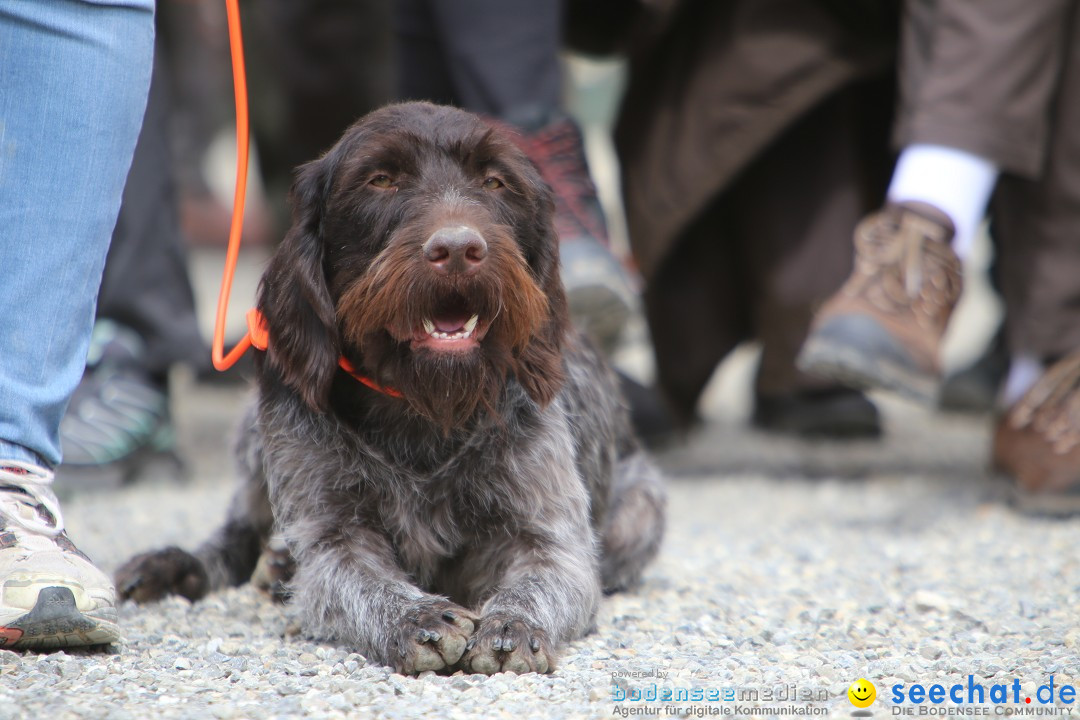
x=182 y=663
x=928 y=601
x=287 y=688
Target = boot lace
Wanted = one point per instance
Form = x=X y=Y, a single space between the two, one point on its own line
x=905 y=267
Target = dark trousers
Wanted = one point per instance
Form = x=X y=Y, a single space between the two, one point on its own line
x=494 y=57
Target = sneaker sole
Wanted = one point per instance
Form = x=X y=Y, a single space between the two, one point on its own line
x=56 y=622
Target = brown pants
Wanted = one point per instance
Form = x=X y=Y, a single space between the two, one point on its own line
x=1001 y=79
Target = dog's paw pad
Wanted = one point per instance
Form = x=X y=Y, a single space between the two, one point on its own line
x=433 y=636
x=505 y=644
x=154 y=575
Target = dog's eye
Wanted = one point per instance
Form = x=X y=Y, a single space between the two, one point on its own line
x=381 y=181
x=492 y=183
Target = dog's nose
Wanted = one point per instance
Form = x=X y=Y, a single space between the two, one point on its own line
x=457 y=249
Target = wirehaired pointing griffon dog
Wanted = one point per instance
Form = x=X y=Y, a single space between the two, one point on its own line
x=450 y=466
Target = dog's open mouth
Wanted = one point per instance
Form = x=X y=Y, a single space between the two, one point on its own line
x=450 y=328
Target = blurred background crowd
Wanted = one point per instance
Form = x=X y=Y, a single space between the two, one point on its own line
x=817 y=179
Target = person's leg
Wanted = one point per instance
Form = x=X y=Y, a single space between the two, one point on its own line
x=793 y=204
x=1037 y=441
x=502 y=56
x=72 y=96
x=145 y=285
x=146 y=323
x=977 y=80
x=71 y=101
x=423 y=68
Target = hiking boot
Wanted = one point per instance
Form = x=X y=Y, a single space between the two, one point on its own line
x=51 y=595
x=1037 y=442
x=599 y=288
x=883 y=328
x=118 y=417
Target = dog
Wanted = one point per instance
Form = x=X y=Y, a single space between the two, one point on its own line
x=450 y=465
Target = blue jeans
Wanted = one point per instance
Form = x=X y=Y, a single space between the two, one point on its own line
x=74 y=75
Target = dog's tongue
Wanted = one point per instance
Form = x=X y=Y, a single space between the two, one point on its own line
x=450 y=323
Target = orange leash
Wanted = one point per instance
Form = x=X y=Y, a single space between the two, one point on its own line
x=236 y=47
x=257 y=334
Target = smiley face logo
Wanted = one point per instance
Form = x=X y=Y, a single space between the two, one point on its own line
x=862 y=693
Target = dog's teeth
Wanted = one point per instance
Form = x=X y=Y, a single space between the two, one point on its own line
x=470 y=325
x=429 y=327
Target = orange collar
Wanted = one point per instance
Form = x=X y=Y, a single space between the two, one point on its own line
x=259 y=333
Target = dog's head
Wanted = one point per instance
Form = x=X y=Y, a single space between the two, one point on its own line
x=423 y=250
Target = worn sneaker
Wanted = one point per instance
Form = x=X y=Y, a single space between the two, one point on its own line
x=51 y=595
x=119 y=415
x=1037 y=442
x=883 y=328
x=599 y=288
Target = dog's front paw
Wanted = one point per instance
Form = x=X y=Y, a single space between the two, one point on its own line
x=504 y=643
x=154 y=575
x=432 y=636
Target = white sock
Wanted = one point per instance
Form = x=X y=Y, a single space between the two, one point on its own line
x=954 y=181
x=1024 y=371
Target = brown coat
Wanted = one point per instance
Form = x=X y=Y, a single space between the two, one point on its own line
x=715 y=82
x=752 y=137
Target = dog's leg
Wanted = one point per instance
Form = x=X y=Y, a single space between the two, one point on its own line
x=633 y=525
x=546 y=592
x=348 y=586
x=227 y=558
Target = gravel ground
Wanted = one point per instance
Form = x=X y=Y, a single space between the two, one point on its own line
x=898 y=561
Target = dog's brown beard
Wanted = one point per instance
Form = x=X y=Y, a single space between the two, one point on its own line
x=383 y=314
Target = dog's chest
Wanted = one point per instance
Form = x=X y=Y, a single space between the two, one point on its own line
x=437 y=511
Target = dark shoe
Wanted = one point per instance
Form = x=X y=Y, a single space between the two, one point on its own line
x=652 y=421
x=599 y=288
x=883 y=328
x=118 y=417
x=837 y=413
x=975 y=388
x=1037 y=442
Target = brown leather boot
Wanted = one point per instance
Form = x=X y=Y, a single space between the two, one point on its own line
x=883 y=328
x=1037 y=442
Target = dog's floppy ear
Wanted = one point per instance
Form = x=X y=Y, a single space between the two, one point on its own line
x=539 y=364
x=293 y=296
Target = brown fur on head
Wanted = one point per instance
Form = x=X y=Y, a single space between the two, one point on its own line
x=356 y=274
